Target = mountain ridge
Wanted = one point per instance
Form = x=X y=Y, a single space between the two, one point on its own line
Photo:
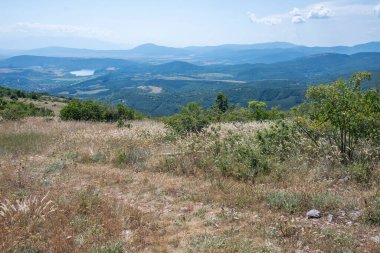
x=204 y=55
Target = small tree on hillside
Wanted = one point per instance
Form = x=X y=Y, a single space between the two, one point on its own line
x=259 y=111
x=344 y=113
x=221 y=103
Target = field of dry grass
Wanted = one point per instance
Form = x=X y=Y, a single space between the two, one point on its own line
x=93 y=187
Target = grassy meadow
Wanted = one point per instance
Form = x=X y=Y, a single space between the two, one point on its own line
x=95 y=187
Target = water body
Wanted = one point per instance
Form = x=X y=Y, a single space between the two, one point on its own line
x=83 y=72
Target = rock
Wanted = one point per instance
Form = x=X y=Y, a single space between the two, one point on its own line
x=330 y=218
x=313 y=214
x=345 y=179
x=375 y=239
x=354 y=215
x=341 y=213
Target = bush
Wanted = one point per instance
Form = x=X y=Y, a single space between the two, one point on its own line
x=95 y=111
x=192 y=119
x=239 y=157
x=280 y=141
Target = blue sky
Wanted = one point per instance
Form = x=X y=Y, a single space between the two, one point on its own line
x=112 y=24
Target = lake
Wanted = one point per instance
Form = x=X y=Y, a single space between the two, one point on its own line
x=83 y=72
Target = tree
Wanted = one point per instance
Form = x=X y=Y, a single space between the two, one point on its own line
x=345 y=113
x=259 y=111
x=221 y=103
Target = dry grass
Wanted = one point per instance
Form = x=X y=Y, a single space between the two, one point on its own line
x=93 y=187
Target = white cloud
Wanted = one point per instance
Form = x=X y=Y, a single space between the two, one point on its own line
x=319 y=12
x=270 y=20
x=53 y=30
x=298 y=20
x=377 y=10
x=296 y=12
x=297 y=17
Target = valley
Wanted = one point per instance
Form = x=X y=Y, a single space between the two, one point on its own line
x=160 y=89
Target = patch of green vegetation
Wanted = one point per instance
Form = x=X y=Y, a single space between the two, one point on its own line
x=95 y=111
x=14 y=110
x=286 y=201
x=325 y=201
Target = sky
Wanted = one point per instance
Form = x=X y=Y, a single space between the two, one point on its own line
x=122 y=24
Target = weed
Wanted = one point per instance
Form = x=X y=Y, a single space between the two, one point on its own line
x=109 y=248
x=372 y=215
x=131 y=156
x=28 y=210
x=325 y=201
x=361 y=173
x=209 y=243
x=289 y=202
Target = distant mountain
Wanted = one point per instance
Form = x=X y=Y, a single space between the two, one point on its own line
x=207 y=55
x=152 y=50
x=314 y=68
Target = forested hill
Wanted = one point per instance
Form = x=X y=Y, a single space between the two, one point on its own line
x=159 y=89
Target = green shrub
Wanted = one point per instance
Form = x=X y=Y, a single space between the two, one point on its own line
x=280 y=141
x=95 y=111
x=239 y=157
x=192 y=119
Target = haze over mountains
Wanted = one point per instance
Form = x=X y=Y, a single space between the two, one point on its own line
x=223 y=54
x=157 y=79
